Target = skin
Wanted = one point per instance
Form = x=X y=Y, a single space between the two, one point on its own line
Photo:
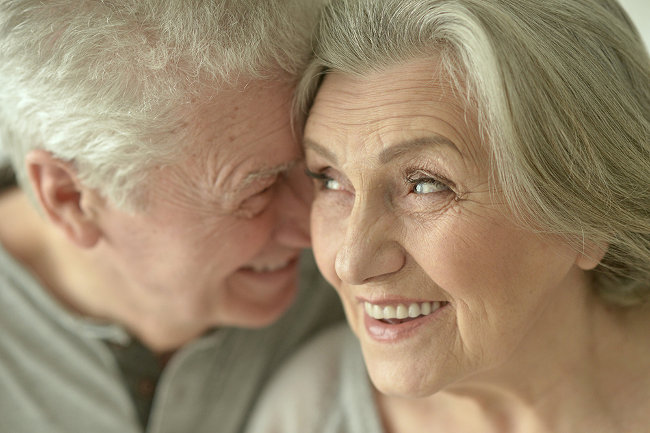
x=216 y=246
x=404 y=212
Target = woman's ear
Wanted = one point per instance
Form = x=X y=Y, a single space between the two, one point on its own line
x=60 y=194
x=591 y=255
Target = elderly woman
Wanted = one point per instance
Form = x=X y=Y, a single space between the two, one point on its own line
x=155 y=139
x=482 y=207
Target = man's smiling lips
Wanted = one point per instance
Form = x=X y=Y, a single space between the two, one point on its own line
x=267 y=267
x=268 y=281
x=263 y=266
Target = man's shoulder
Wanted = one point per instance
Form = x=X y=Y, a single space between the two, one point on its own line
x=305 y=389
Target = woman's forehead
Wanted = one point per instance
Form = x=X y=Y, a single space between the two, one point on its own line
x=407 y=76
x=407 y=101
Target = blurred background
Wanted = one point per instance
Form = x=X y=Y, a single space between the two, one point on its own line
x=639 y=11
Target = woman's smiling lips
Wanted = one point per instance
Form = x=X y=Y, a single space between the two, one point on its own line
x=389 y=321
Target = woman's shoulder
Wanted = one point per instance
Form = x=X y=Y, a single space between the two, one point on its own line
x=304 y=394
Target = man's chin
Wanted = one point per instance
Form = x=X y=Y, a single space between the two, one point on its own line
x=246 y=311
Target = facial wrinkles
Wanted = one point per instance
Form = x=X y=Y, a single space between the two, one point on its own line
x=231 y=166
x=224 y=166
x=427 y=240
x=356 y=132
x=418 y=109
x=176 y=189
x=480 y=313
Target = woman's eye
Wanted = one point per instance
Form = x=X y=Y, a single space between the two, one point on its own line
x=423 y=182
x=331 y=184
x=427 y=186
x=324 y=181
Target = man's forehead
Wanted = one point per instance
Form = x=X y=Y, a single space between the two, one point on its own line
x=239 y=117
x=241 y=136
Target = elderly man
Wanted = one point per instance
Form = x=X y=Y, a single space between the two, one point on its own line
x=154 y=139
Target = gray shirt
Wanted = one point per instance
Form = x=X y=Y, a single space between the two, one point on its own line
x=324 y=388
x=58 y=375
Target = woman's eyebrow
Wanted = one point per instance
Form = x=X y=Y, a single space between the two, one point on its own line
x=320 y=149
x=391 y=152
x=407 y=146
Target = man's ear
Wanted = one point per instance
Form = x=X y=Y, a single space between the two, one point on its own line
x=61 y=196
x=591 y=255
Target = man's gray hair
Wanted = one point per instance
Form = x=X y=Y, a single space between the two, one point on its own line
x=104 y=84
x=562 y=89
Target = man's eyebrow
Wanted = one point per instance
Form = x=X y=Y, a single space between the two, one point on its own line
x=268 y=172
x=392 y=152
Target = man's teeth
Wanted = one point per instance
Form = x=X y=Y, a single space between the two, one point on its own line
x=401 y=311
x=268 y=267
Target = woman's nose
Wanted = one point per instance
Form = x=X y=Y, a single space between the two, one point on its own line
x=369 y=250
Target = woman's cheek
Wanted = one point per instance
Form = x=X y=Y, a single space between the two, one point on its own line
x=327 y=232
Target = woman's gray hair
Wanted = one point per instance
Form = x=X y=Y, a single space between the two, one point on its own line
x=106 y=84
x=562 y=89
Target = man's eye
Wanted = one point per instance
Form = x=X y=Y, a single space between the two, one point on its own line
x=267 y=189
x=427 y=186
x=324 y=181
x=256 y=204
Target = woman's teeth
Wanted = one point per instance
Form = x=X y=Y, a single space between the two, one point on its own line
x=401 y=311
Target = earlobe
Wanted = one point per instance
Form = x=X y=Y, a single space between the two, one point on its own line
x=60 y=194
x=591 y=255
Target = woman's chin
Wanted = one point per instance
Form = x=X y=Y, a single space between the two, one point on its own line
x=399 y=381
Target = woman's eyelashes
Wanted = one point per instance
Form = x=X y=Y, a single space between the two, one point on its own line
x=324 y=181
x=422 y=182
x=417 y=181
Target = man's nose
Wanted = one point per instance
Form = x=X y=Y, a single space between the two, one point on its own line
x=294 y=197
